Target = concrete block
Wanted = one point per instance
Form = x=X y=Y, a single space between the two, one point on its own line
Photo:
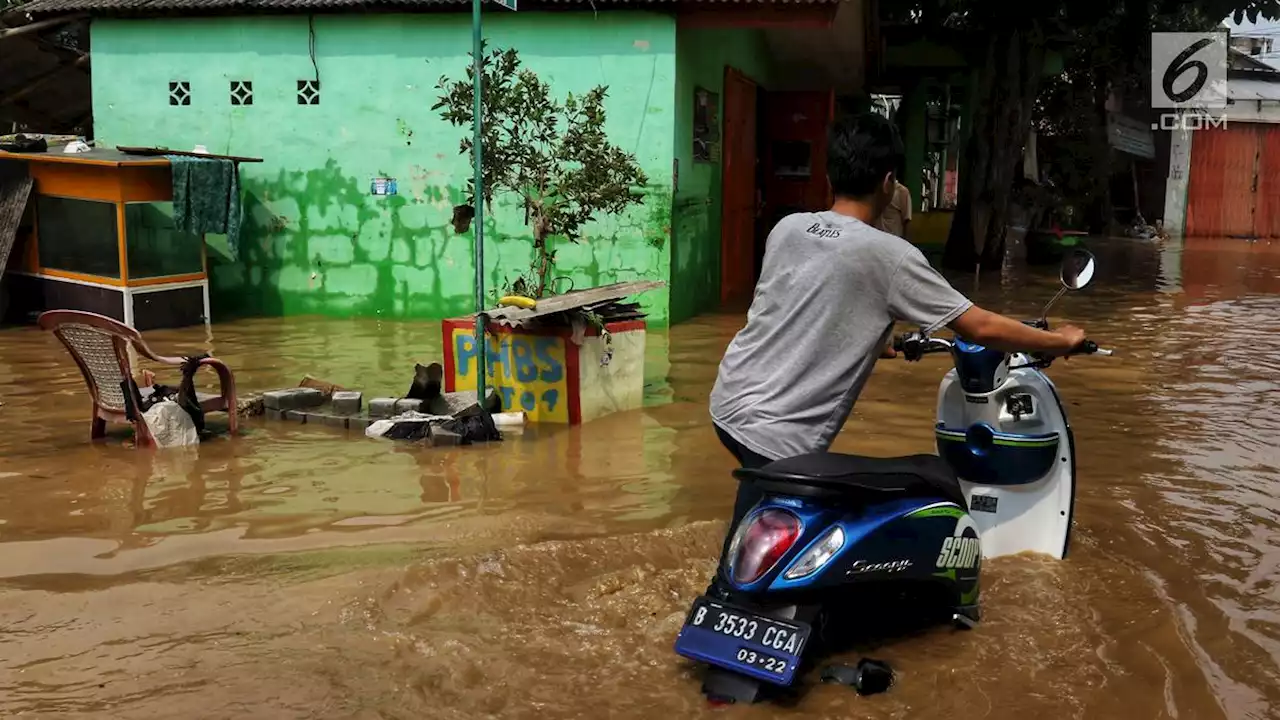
x=325 y=417
x=444 y=438
x=347 y=422
x=408 y=405
x=347 y=402
x=329 y=419
x=456 y=402
x=292 y=399
x=250 y=406
x=309 y=398
x=382 y=407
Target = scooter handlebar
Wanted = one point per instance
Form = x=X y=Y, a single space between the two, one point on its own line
x=914 y=345
x=1089 y=347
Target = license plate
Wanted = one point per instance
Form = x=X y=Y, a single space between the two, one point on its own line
x=743 y=641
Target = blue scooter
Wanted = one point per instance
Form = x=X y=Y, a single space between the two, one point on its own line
x=843 y=544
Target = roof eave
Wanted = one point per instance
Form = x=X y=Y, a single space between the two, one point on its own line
x=40 y=9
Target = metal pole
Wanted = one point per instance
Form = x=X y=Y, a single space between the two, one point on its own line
x=477 y=65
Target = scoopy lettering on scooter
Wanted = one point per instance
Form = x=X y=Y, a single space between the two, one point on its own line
x=959 y=552
x=862 y=566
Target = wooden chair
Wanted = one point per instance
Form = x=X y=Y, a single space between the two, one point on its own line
x=100 y=347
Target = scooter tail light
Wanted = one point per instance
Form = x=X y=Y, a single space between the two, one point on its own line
x=761 y=542
x=818 y=555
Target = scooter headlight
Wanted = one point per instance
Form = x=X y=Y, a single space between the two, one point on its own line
x=818 y=555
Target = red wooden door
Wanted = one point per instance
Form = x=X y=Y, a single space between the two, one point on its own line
x=1266 y=202
x=797 y=132
x=1222 y=187
x=738 y=183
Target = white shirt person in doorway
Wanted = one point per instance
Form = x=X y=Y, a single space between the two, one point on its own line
x=896 y=218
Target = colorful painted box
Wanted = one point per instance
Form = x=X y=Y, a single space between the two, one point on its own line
x=547 y=375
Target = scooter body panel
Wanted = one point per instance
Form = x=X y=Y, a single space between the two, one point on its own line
x=1006 y=435
x=900 y=542
x=914 y=539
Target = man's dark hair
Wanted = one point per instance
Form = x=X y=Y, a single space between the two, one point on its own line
x=861 y=150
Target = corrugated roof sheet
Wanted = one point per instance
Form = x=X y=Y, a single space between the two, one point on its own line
x=515 y=317
x=1253 y=90
x=169 y=7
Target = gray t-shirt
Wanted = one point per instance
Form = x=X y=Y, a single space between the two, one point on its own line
x=830 y=291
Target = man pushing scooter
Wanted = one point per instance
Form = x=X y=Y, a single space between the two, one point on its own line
x=831 y=287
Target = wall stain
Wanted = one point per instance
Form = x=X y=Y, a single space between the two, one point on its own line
x=402 y=256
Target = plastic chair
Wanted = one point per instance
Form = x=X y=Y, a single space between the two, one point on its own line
x=100 y=347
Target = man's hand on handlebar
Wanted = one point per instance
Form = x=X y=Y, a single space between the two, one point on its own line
x=914 y=345
x=998 y=332
x=1072 y=338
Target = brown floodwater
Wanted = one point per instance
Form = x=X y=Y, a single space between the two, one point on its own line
x=303 y=572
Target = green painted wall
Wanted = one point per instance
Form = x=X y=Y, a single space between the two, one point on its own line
x=316 y=240
x=701 y=57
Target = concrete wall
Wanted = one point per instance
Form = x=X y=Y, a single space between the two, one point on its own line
x=701 y=58
x=315 y=239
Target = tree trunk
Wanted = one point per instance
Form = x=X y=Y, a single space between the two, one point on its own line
x=1101 y=210
x=1002 y=103
x=541 y=257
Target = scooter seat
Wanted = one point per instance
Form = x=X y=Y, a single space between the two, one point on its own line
x=840 y=474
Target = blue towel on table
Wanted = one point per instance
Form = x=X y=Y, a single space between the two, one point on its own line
x=206 y=197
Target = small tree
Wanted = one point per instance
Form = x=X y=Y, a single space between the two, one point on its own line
x=554 y=156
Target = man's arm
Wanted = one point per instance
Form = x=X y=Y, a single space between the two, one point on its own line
x=1006 y=334
x=919 y=295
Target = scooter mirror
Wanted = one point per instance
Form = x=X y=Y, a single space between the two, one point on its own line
x=1077 y=269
